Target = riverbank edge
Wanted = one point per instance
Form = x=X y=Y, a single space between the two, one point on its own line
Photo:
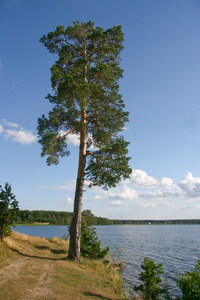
x=103 y=281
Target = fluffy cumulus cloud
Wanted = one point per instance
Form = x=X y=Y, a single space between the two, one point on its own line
x=166 y=182
x=21 y=136
x=141 y=190
x=146 y=191
x=124 y=193
x=17 y=134
x=140 y=179
x=190 y=185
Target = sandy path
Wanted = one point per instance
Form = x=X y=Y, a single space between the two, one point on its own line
x=30 y=277
x=11 y=271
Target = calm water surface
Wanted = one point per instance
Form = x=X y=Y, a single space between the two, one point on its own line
x=176 y=246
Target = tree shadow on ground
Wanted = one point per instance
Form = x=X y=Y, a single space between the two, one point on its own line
x=96 y=296
x=54 y=251
x=39 y=257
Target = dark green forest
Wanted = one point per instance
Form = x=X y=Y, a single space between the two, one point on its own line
x=57 y=217
x=65 y=218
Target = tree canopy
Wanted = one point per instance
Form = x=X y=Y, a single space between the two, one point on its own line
x=86 y=102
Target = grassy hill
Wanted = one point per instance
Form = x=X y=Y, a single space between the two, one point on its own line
x=37 y=268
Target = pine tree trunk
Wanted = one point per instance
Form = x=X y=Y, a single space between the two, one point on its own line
x=75 y=229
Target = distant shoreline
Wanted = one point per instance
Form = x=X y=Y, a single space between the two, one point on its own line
x=44 y=217
x=121 y=224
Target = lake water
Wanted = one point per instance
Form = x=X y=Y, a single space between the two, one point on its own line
x=176 y=246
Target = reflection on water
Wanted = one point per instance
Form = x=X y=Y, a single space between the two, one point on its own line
x=176 y=246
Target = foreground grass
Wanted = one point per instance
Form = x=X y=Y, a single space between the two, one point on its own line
x=37 y=268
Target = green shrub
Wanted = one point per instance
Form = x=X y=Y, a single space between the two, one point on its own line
x=150 y=287
x=90 y=245
x=189 y=283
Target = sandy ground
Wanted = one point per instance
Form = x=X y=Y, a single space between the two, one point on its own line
x=26 y=278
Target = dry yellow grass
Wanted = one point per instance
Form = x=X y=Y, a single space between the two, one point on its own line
x=36 y=268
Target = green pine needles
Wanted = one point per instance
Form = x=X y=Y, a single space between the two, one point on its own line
x=151 y=287
x=86 y=102
x=189 y=283
x=90 y=245
x=8 y=210
x=150 y=278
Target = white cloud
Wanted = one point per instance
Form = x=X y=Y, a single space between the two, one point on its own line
x=177 y=192
x=144 y=195
x=10 y=124
x=69 y=185
x=140 y=179
x=166 y=182
x=96 y=198
x=190 y=185
x=21 y=136
x=1 y=129
x=73 y=139
x=150 y=204
x=69 y=200
x=152 y=194
x=127 y=193
x=117 y=203
x=153 y=202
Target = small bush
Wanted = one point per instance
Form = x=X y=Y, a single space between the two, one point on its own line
x=150 y=287
x=189 y=283
x=90 y=245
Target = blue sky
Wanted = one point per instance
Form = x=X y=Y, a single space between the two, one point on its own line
x=161 y=89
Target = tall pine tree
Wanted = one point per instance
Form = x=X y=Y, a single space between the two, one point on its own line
x=87 y=103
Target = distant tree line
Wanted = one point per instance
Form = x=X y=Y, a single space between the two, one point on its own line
x=57 y=217
x=156 y=222
x=65 y=218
